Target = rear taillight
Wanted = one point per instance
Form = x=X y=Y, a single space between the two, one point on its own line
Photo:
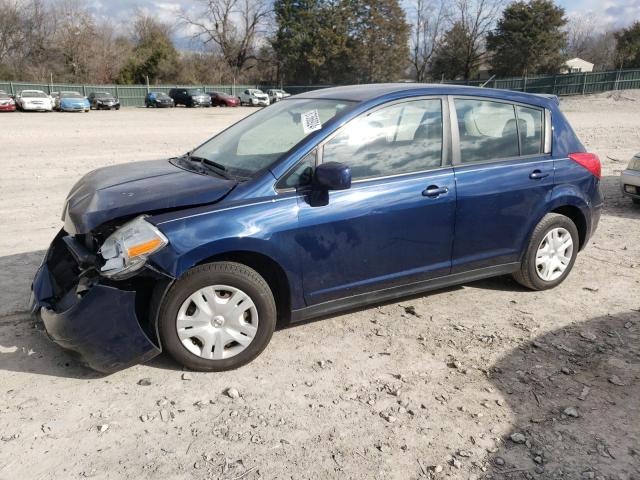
x=590 y=161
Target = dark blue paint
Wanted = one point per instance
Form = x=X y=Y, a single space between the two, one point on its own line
x=374 y=234
x=142 y=187
x=497 y=206
x=333 y=176
x=101 y=326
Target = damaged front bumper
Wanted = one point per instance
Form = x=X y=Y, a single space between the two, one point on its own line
x=100 y=321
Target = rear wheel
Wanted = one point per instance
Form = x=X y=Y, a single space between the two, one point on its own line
x=551 y=253
x=217 y=317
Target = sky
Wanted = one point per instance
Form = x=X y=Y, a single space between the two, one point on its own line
x=617 y=13
x=606 y=13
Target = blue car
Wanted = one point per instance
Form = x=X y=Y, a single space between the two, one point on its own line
x=72 y=102
x=322 y=202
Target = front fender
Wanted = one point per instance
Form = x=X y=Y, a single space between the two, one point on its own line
x=263 y=227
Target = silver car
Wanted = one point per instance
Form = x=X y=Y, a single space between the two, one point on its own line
x=630 y=180
x=254 y=97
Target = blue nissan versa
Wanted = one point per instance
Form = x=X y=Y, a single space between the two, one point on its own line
x=324 y=201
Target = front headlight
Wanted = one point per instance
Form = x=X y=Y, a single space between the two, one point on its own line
x=634 y=164
x=126 y=250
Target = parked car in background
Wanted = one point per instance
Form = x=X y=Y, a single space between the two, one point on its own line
x=219 y=99
x=7 y=103
x=103 y=101
x=72 y=102
x=276 y=95
x=325 y=201
x=630 y=180
x=158 y=100
x=254 y=97
x=34 y=100
x=190 y=97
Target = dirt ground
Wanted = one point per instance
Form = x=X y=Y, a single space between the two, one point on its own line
x=485 y=380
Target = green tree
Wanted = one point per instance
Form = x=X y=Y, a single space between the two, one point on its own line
x=340 y=41
x=528 y=39
x=379 y=41
x=311 y=40
x=628 y=46
x=153 y=56
x=452 y=58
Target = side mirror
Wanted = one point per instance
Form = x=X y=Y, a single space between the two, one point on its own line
x=332 y=176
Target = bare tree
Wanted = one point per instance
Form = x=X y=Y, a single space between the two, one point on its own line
x=429 y=20
x=232 y=28
x=109 y=52
x=590 y=40
x=74 y=37
x=11 y=32
x=477 y=18
x=581 y=31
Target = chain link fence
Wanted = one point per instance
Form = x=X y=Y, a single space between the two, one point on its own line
x=561 y=84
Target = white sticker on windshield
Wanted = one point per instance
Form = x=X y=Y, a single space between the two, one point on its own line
x=311 y=121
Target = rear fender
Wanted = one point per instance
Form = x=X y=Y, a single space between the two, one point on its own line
x=562 y=196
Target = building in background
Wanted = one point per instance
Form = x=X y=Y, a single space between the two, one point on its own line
x=577 y=65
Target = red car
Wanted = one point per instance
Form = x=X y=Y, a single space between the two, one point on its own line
x=7 y=104
x=219 y=99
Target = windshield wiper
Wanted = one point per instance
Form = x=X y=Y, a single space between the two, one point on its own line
x=217 y=167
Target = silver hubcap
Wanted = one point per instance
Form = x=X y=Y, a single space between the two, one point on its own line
x=554 y=254
x=217 y=322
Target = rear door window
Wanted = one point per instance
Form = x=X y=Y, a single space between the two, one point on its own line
x=487 y=130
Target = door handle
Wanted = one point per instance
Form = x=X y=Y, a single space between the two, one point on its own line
x=537 y=175
x=433 y=191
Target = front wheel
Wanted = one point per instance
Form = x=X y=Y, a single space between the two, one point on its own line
x=551 y=253
x=218 y=316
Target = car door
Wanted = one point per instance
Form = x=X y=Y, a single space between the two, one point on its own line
x=394 y=226
x=504 y=172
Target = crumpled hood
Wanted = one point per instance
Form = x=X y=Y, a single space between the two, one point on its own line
x=136 y=188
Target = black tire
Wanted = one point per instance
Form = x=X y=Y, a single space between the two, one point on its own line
x=226 y=273
x=528 y=276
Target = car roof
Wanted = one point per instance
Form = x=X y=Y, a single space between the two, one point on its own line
x=365 y=93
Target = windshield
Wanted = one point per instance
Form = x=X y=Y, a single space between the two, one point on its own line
x=262 y=138
x=33 y=95
x=4 y=95
x=160 y=94
x=195 y=91
x=103 y=95
x=70 y=95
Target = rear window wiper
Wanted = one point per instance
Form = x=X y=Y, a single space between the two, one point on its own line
x=217 y=167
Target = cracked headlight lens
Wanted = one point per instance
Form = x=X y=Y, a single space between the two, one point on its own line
x=126 y=250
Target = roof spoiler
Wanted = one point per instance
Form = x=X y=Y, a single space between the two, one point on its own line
x=554 y=98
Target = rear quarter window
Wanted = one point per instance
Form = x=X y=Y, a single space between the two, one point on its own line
x=530 y=128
